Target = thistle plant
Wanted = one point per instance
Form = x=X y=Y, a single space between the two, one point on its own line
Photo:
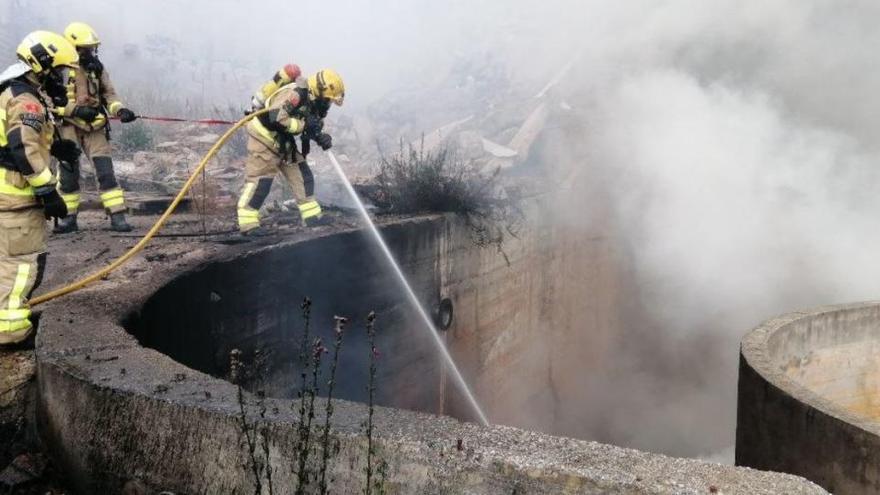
x=339 y=332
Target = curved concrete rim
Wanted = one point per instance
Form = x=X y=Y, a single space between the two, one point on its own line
x=754 y=350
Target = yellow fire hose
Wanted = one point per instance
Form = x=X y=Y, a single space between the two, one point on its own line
x=81 y=283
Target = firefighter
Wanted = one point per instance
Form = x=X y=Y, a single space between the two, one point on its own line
x=27 y=186
x=92 y=100
x=296 y=109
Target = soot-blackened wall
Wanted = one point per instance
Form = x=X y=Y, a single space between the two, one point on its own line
x=253 y=303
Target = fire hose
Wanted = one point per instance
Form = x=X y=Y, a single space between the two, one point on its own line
x=100 y=274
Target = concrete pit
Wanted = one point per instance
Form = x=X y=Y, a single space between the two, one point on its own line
x=253 y=303
x=131 y=374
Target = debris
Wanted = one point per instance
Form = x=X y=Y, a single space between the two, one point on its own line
x=100 y=253
x=24 y=469
x=155 y=205
x=205 y=139
x=528 y=132
x=498 y=150
x=433 y=139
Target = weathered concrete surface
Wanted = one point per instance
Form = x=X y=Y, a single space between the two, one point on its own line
x=112 y=410
x=808 y=397
x=16 y=400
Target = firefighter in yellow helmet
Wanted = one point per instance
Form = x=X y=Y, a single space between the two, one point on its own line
x=27 y=186
x=92 y=99
x=296 y=109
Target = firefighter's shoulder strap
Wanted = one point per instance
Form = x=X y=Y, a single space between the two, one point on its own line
x=267 y=119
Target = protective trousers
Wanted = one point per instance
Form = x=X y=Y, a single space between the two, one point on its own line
x=260 y=168
x=22 y=261
x=96 y=147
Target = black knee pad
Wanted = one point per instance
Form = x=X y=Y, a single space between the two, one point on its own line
x=41 y=269
x=264 y=184
x=308 y=177
x=104 y=171
x=68 y=177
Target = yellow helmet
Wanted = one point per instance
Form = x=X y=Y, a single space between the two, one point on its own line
x=81 y=35
x=44 y=50
x=327 y=84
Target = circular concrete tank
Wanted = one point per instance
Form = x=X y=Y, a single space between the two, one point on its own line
x=809 y=397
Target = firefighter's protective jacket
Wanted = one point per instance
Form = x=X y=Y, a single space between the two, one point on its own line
x=89 y=88
x=288 y=109
x=26 y=134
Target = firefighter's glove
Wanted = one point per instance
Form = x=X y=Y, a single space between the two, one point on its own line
x=324 y=141
x=314 y=126
x=53 y=205
x=125 y=115
x=65 y=150
x=89 y=114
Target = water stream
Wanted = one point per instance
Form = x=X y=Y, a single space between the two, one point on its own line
x=429 y=325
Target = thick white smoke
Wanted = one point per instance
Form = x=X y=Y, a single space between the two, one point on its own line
x=735 y=142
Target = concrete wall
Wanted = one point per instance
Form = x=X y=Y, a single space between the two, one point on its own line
x=532 y=320
x=808 y=395
x=253 y=303
x=529 y=318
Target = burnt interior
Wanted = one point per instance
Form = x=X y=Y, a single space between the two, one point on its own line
x=253 y=303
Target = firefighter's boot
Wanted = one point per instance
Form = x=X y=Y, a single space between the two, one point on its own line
x=118 y=223
x=66 y=225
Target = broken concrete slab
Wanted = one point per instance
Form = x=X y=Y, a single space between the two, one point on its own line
x=433 y=139
x=498 y=150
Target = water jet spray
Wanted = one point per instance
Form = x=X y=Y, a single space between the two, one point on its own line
x=428 y=323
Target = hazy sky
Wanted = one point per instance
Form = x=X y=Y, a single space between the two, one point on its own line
x=376 y=46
